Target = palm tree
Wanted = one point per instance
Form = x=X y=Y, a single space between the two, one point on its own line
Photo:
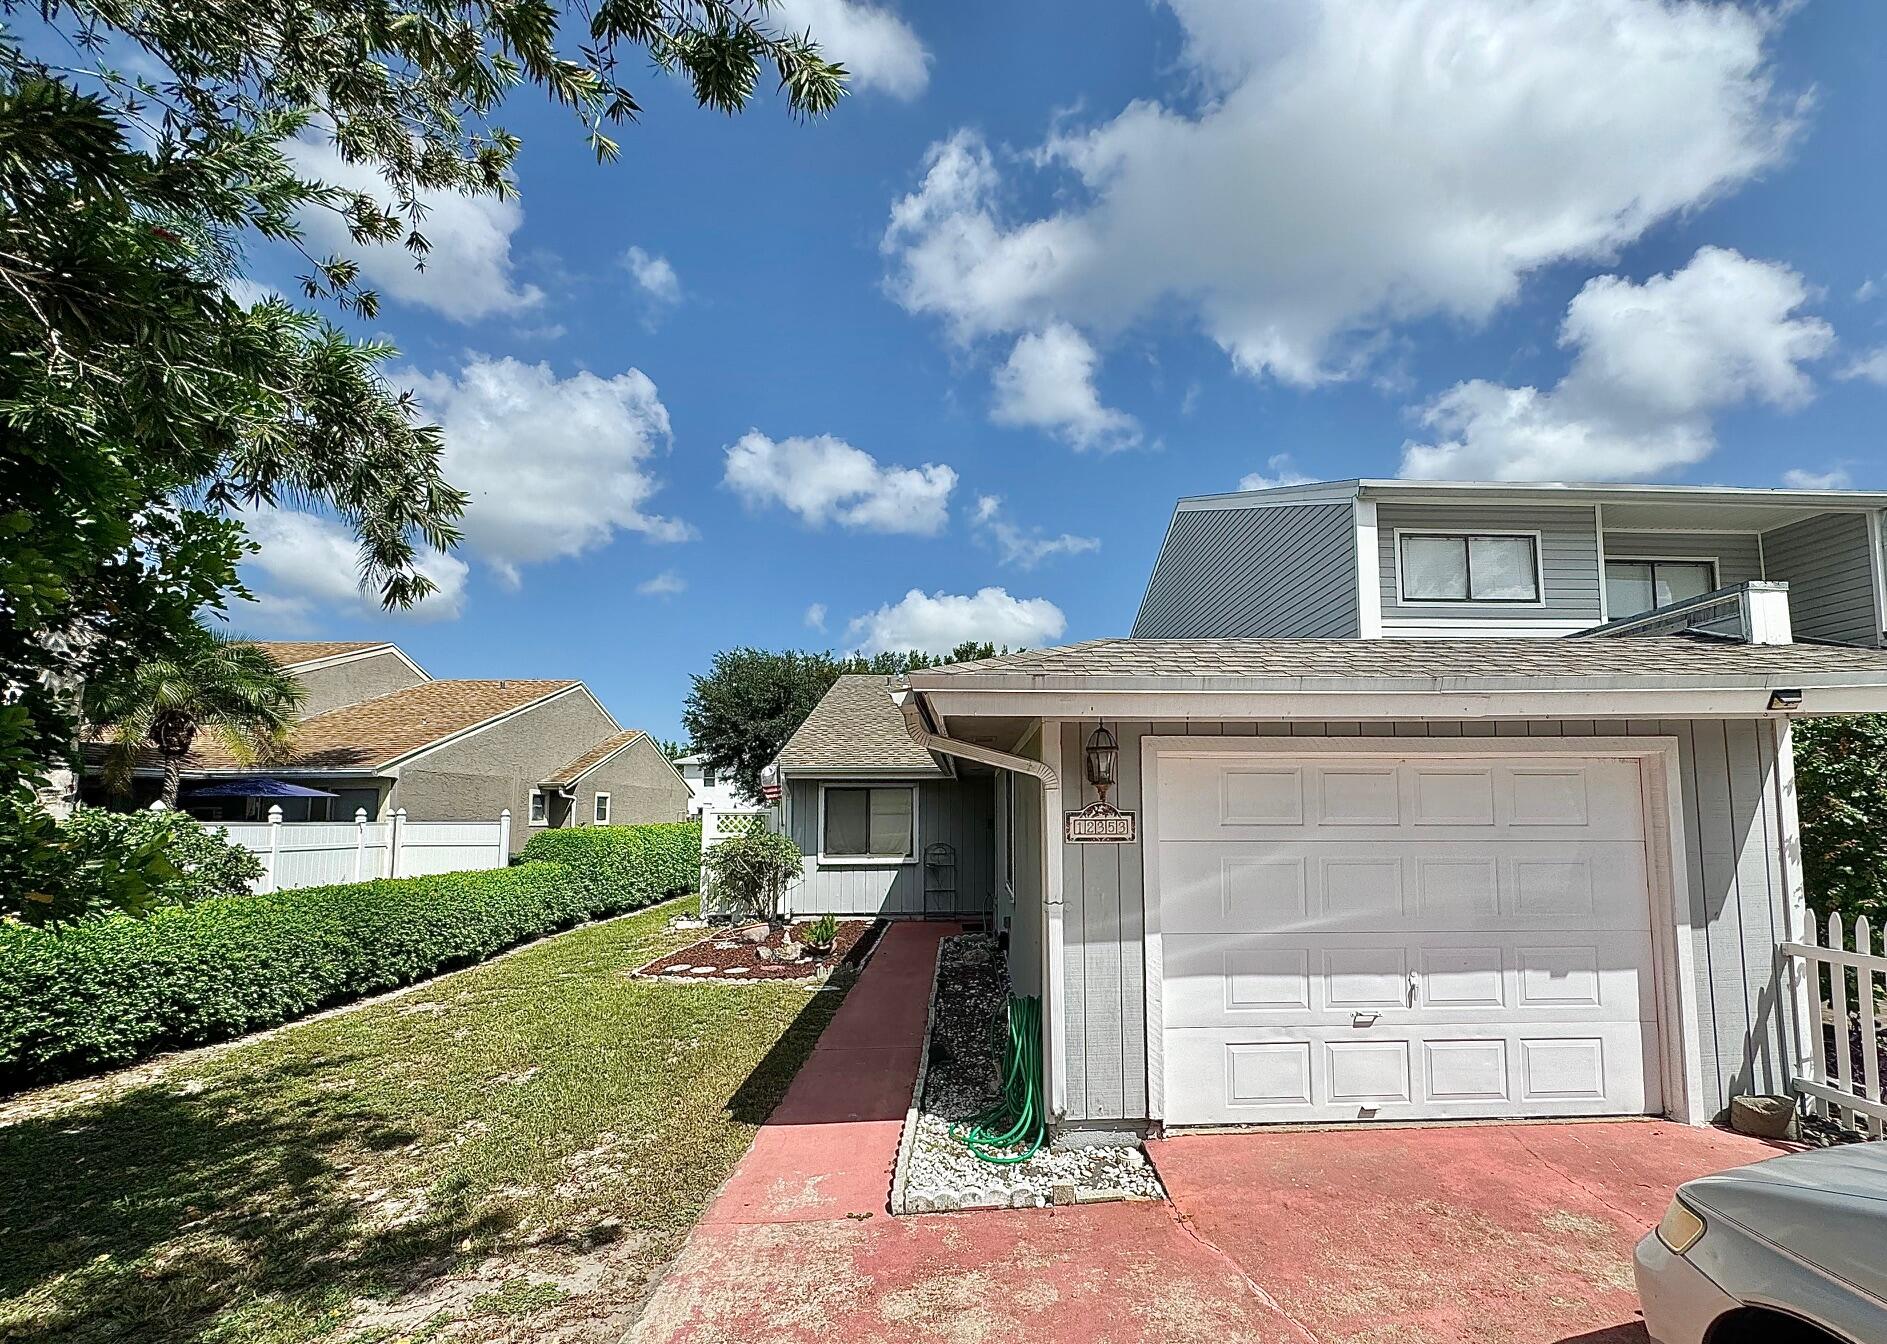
x=206 y=680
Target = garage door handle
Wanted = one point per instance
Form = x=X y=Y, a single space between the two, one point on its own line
x=1414 y=989
x=1364 y=1019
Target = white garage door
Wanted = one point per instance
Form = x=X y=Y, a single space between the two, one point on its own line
x=1347 y=939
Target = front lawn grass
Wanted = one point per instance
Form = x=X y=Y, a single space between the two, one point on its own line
x=506 y=1153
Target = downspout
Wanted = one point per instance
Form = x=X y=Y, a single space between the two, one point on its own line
x=1054 y=1017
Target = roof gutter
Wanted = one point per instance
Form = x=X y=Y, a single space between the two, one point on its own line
x=1054 y=998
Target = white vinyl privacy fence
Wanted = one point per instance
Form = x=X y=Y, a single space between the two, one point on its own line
x=320 y=853
x=1841 y=1063
x=718 y=824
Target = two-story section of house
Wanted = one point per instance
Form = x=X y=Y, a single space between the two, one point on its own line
x=1431 y=559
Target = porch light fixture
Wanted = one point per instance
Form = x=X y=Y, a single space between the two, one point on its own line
x=1785 y=700
x=1103 y=761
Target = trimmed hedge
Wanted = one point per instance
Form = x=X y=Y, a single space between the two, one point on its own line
x=645 y=862
x=110 y=991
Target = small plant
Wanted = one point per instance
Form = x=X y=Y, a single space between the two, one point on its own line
x=748 y=873
x=820 y=934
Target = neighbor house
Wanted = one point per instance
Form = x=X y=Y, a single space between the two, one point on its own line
x=378 y=735
x=710 y=789
x=1387 y=843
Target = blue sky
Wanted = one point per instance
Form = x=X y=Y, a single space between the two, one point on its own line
x=1049 y=268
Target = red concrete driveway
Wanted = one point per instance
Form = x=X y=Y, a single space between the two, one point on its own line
x=1499 y=1234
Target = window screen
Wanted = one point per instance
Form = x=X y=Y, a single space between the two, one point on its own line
x=868 y=823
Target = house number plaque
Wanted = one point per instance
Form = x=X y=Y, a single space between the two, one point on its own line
x=1098 y=823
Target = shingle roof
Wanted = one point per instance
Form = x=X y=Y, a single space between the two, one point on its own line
x=595 y=756
x=292 y=652
x=370 y=734
x=1244 y=663
x=856 y=726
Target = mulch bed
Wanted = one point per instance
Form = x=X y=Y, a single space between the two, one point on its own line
x=726 y=956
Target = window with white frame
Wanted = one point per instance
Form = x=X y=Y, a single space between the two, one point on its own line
x=1469 y=567
x=540 y=813
x=707 y=776
x=1636 y=586
x=602 y=809
x=876 y=822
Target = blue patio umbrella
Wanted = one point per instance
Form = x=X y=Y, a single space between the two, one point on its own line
x=260 y=787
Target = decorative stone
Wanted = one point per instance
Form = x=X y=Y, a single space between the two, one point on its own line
x=765 y=954
x=1764 y=1117
x=1102 y=1195
x=755 y=933
x=1063 y=1192
x=1134 y=1158
x=788 y=951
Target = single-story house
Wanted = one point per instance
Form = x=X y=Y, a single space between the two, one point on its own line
x=441 y=749
x=1486 y=875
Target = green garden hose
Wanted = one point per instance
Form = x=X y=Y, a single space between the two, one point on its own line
x=1016 y=1121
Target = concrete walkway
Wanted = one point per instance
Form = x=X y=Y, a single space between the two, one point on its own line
x=1486 y=1234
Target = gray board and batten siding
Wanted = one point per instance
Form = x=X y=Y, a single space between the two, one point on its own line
x=1569 y=560
x=1735 y=882
x=1827 y=564
x=957 y=812
x=1739 y=555
x=1279 y=570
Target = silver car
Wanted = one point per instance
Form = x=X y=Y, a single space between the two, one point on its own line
x=1788 y=1251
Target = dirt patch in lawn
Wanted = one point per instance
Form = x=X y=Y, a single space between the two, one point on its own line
x=729 y=955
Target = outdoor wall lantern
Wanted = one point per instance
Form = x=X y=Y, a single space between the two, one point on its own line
x=1103 y=759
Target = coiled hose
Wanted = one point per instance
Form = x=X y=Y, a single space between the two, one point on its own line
x=1016 y=1121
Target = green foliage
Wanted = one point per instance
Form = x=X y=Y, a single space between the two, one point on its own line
x=141 y=405
x=749 y=872
x=821 y=932
x=108 y=991
x=49 y=875
x=1841 y=794
x=176 y=860
x=202 y=679
x=742 y=711
x=625 y=866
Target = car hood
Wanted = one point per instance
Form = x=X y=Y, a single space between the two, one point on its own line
x=1828 y=1207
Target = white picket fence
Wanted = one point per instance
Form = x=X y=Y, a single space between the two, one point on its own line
x=1842 y=993
x=320 y=853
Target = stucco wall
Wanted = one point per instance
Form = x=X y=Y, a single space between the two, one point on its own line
x=497 y=767
x=641 y=785
x=1738 y=900
x=350 y=683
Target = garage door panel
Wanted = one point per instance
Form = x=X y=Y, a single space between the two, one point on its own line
x=1217 y=796
x=1458 y=977
x=1229 y=887
x=1286 y=1075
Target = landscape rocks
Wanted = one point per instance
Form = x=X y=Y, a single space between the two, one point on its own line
x=968 y=1032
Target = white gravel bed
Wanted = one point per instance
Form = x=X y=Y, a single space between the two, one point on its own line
x=962 y=1080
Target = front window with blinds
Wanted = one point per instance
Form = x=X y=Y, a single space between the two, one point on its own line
x=870 y=823
x=1633 y=587
x=1459 y=567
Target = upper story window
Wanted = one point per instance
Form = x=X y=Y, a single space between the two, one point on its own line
x=1636 y=586
x=540 y=812
x=602 y=809
x=1469 y=567
x=707 y=776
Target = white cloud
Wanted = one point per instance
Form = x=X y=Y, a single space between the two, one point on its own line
x=873 y=44
x=1025 y=548
x=1283 y=472
x=815 y=617
x=312 y=565
x=1870 y=365
x=1653 y=364
x=1347 y=167
x=249 y=292
x=1048 y=384
x=653 y=275
x=826 y=479
x=1866 y=290
x=1835 y=478
x=665 y=584
x=468 y=273
x=938 y=622
x=554 y=466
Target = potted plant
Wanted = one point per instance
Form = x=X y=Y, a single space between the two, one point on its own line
x=819 y=936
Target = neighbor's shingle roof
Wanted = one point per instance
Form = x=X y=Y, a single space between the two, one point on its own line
x=372 y=733
x=1242 y=663
x=291 y=652
x=856 y=726
x=609 y=746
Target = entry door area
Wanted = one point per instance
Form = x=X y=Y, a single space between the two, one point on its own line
x=1360 y=937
